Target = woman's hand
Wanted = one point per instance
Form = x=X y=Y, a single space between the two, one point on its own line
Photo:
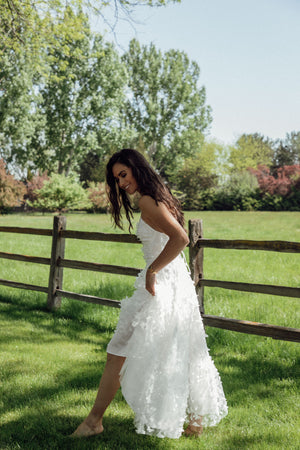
x=150 y=282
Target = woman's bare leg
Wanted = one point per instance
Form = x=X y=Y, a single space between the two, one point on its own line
x=109 y=384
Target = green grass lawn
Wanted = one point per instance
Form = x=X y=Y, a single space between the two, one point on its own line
x=51 y=363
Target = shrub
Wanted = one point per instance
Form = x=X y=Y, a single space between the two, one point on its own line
x=282 y=184
x=280 y=192
x=193 y=181
x=97 y=196
x=11 y=190
x=239 y=193
x=61 y=193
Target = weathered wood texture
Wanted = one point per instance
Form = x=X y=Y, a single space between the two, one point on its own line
x=196 y=259
x=15 y=284
x=56 y=272
x=89 y=298
x=21 y=230
x=275 y=246
x=94 y=236
x=31 y=259
x=244 y=326
x=107 y=268
x=252 y=287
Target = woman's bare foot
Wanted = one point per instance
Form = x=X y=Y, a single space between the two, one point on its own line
x=86 y=430
x=193 y=430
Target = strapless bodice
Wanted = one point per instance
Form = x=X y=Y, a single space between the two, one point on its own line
x=153 y=241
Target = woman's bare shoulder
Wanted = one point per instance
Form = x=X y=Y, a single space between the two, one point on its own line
x=146 y=203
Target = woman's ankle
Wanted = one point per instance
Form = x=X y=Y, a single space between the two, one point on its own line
x=93 y=419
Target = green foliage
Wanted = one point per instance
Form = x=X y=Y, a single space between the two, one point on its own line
x=19 y=114
x=28 y=26
x=239 y=193
x=91 y=169
x=269 y=202
x=77 y=110
x=11 y=190
x=165 y=106
x=61 y=193
x=251 y=150
x=196 y=177
x=61 y=90
x=287 y=151
x=73 y=112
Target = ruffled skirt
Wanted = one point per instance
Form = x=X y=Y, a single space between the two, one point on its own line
x=168 y=376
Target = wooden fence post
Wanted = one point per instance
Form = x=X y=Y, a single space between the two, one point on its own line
x=196 y=258
x=56 y=272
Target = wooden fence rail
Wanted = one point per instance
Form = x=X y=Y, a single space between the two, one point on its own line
x=237 y=244
x=57 y=263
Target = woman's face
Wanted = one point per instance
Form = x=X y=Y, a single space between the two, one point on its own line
x=124 y=178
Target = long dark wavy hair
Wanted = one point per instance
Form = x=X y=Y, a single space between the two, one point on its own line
x=148 y=181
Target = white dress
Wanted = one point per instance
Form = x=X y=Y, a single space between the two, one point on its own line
x=168 y=375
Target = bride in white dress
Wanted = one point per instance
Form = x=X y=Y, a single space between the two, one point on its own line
x=158 y=353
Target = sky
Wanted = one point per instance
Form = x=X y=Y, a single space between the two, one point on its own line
x=247 y=51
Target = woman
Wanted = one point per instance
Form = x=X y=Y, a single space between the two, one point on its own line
x=158 y=353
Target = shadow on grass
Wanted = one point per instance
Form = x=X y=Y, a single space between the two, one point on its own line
x=249 y=361
x=74 y=315
x=47 y=427
x=54 y=433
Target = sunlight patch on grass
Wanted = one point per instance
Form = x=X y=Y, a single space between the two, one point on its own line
x=51 y=363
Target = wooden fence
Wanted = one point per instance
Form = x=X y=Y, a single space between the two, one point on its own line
x=57 y=263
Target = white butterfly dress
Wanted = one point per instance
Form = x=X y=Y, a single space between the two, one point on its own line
x=168 y=375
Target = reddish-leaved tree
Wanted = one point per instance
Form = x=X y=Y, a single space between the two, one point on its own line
x=287 y=178
x=34 y=185
x=98 y=197
x=11 y=190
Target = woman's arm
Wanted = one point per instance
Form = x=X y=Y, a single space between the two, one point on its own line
x=160 y=218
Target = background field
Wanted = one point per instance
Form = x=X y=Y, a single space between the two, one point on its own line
x=50 y=363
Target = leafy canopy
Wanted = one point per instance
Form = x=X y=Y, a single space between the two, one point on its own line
x=29 y=24
x=251 y=150
x=165 y=106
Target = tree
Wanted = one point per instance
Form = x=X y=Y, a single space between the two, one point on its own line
x=91 y=169
x=11 y=190
x=22 y=74
x=287 y=178
x=164 y=103
x=251 y=150
x=28 y=25
x=293 y=142
x=31 y=35
x=283 y=155
x=198 y=175
x=52 y=122
x=81 y=104
x=19 y=114
x=287 y=152
x=64 y=104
